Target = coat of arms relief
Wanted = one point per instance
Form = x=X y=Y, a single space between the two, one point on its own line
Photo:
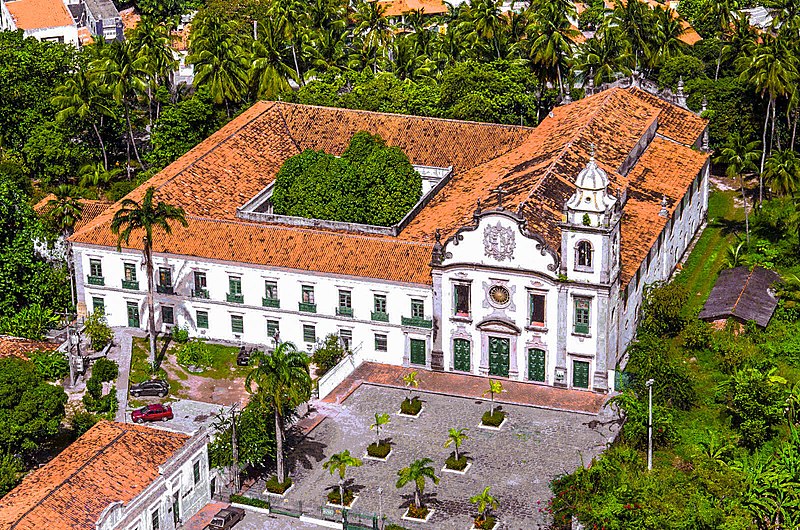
x=498 y=242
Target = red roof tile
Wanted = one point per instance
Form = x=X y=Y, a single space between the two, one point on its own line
x=39 y=14
x=18 y=347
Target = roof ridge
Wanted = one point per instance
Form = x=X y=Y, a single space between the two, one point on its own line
x=741 y=293
x=407 y=116
x=238 y=222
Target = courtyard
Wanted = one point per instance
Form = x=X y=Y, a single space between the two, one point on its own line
x=517 y=462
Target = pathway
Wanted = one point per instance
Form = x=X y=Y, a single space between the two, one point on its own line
x=121 y=353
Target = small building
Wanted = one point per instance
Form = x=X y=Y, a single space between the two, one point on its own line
x=44 y=20
x=102 y=19
x=743 y=295
x=116 y=475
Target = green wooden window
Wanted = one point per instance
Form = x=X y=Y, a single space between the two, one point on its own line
x=381 y=342
x=380 y=303
x=461 y=296
x=234 y=285
x=582 y=315
x=237 y=323
x=167 y=314
x=98 y=304
x=273 y=328
x=461 y=355
x=202 y=319
x=200 y=280
x=309 y=333
x=271 y=290
x=307 y=294
x=417 y=308
x=95 y=268
x=345 y=298
x=130 y=272
x=536 y=309
x=196 y=472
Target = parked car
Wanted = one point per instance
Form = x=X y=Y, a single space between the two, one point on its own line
x=152 y=413
x=243 y=358
x=226 y=518
x=154 y=387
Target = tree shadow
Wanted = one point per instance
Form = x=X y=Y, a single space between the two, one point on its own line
x=428 y=499
x=166 y=340
x=306 y=453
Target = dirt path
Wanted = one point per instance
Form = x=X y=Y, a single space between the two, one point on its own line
x=199 y=388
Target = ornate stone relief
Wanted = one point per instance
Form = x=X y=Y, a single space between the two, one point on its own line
x=498 y=242
x=495 y=293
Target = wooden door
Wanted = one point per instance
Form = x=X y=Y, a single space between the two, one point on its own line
x=418 y=354
x=536 y=364
x=580 y=374
x=461 y=355
x=499 y=356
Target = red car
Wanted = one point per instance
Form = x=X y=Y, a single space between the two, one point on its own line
x=152 y=413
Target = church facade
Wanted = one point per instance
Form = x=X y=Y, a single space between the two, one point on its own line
x=526 y=257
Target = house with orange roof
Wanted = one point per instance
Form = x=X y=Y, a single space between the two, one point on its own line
x=116 y=475
x=45 y=20
x=525 y=258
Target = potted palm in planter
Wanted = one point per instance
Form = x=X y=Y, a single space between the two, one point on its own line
x=494 y=417
x=485 y=503
x=456 y=462
x=411 y=406
x=417 y=473
x=380 y=449
x=341 y=497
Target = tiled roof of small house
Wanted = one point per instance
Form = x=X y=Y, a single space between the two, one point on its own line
x=89 y=209
x=39 y=14
x=19 y=347
x=111 y=462
x=395 y=8
x=537 y=166
x=743 y=294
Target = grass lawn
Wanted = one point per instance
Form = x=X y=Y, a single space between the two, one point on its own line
x=223 y=364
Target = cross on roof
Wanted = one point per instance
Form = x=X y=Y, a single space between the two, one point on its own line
x=499 y=191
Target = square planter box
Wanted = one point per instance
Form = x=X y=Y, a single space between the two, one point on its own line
x=421 y=409
x=457 y=472
x=496 y=525
x=340 y=507
x=427 y=517
x=280 y=495
x=490 y=428
x=368 y=457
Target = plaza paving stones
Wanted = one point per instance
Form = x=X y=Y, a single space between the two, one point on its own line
x=518 y=462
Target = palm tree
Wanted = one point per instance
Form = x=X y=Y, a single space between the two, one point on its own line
x=484 y=21
x=381 y=419
x=410 y=379
x=635 y=20
x=122 y=75
x=289 y=15
x=485 y=503
x=340 y=462
x=97 y=175
x=219 y=59
x=771 y=69
x=782 y=172
x=283 y=378
x=495 y=387
x=372 y=28
x=269 y=72
x=604 y=56
x=64 y=210
x=151 y=41
x=734 y=256
x=666 y=39
x=552 y=37
x=143 y=217
x=456 y=437
x=418 y=472
x=740 y=157
x=408 y=62
x=79 y=97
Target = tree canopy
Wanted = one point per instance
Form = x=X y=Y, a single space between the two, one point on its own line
x=371 y=183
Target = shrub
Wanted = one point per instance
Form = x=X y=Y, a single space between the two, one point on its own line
x=485 y=524
x=82 y=422
x=681 y=66
x=379 y=450
x=105 y=370
x=634 y=430
x=697 y=335
x=459 y=464
x=733 y=351
x=756 y=402
x=650 y=358
x=51 y=365
x=194 y=353
x=334 y=498
x=180 y=335
x=249 y=501
x=273 y=486
x=493 y=420
x=98 y=331
x=392 y=526
x=411 y=407
x=417 y=513
x=662 y=309
x=94 y=388
x=11 y=469
x=328 y=355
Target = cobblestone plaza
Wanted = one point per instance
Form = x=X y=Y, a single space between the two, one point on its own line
x=518 y=462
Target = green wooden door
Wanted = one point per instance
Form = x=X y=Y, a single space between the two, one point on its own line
x=461 y=355
x=536 y=366
x=418 y=354
x=498 y=356
x=133 y=315
x=580 y=374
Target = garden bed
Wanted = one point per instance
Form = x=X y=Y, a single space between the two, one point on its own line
x=273 y=487
x=334 y=499
x=422 y=514
x=453 y=465
x=379 y=451
x=493 y=421
x=411 y=407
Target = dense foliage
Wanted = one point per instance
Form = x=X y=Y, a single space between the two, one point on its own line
x=371 y=183
x=328 y=354
x=255 y=435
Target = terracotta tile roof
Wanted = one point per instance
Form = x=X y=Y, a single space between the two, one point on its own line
x=85 y=36
x=537 y=166
x=110 y=462
x=90 y=209
x=130 y=19
x=39 y=14
x=395 y=8
x=18 y=347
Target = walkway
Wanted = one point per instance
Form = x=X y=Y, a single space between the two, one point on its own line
x=121 y=353
x=470 y=386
